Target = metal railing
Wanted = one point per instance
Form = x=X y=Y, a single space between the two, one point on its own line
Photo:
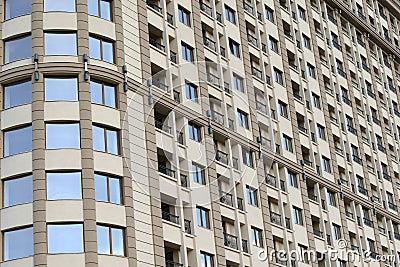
x=162 y=126
x=170 y=18
x=271 y=180
x=172 y=57
x=156 y=44
x=184 y=180
x=318 y=232
x=261 y=107
x=166 y=171
x=213 y=79
x=230 y=241
x=188 y=226
x=169 y=263
x=180 y=137
x=221 y=157
x=245 y=246
x=154 y=6
x=252 y=40
x=206 y=9
x=368 y=222
x=240 y=203
x=226 y=198
x=256 y=72
x=276 y=218
x=177 y=96
x=209 y=43
x=157 y=83
x=170 y=217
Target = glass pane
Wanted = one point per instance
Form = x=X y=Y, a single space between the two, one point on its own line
x=58 y=89
x=98 y=139
x=64 y=186
x=93 y=7
x=62 y=135
x=67 y=238
x=109 y=96
x=117 y=241
x=59 y=5
x=101 y=190
x=112 y=142
x=103 y=240
x=18 y=243
x=18 y=49
x=18 y=141
x=60 y=44
x=115 y=190
x=17 y=94
x=108 y=52
x=96 y=92
x=105 y=8
x=94 y=48
x=18 y=191
x=18 y=8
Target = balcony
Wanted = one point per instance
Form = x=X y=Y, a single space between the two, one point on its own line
x=381 y=148
x=245 y=246
x=368 y=222
x=376 y=120
x=346 y=100
x=188 y=226
x=271 y=180
x=217 y=117
x=226 y=198
x=357 y=159
x=336 y=44
x=341 y=72
x=210 y=43
x=157 y=44
x=248 y=8
x=154 y=6
x=371 y=94
x=332 y=18
x=392 y=206
x=172 y=57
x=162 y=126
x=276 y=218
x=213 y=79
x=365 y=67
x=240 y=203
x=222 y=157
x=177 y=96
x=265 y=142
x=318 y=232
x=307 y=162
x=262 y=107
x=230 y=241
x=157 y=83
x=184 y=180
x=165 y=170
x=257 y=73
x=169 y=263
x=170 y=217
x=206 y=9
x=349 y=214
x=351 y=129
x=362 y=190
x=252 y=40
x=312 y=197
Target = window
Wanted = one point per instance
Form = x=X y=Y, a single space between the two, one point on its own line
x=269 y=14
x=287 y=143
x=247 y=157
x=331 y=198
x=278 y=75
x=234 y=47
x=184 y=16
x=17 y=48
x=316 y=100
x=230 y=14
x=100 y=8
x=327 y=164
x=273 y=44
x=62 y=135
x=243 y=119
x=203 y=217
x=302 y=13
x=257 y=237
x=60 y=43
x=307 y=42
x=238 y=83
x=108 y=189
x=191 y=91
x=59 y=5
x=110 y=240
x=18 y=243
x=297 y=216
x=311 y=70
x=283 y=109
x=336 y=232
x=207 y=260
x=17 y=8
x=194 y=132
x=321 y=131
x=187 y=52
x=103 y=94
x=251 y=196
x=105 y=140
x=17 y=191
x=292 y=178
x=198 y=174
x=65 y=238
x=101 y=49
x=17 y=94
x=17 y=141
x=61 y=89
x=65 y=185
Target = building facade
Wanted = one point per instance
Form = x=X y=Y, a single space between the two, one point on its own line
x=187 y=133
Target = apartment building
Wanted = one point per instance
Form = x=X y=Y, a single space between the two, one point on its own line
x=199 y=133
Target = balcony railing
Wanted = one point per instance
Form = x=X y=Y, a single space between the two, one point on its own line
x=248 y=8
x=180 y=137
x=313 y=197
x=332 y=19
x=170 y=217
x=347 y=101
x=188 y=226
x=162 y=126
x=240 y=203
x=257 y=73
x=172 y=57
x=341 y=72
x=252 y=40
x=230 y=241
x=271 y=180
x=217 y=117
x=368 y=222
x=318 y=232
x=154 y=6
x=226 y=198
x=169 y=263
x=157 y=83
x=166 y=171
x=287 y=223
x=156 y=44
x=245 y=246
x=357 y=159
x=206 y=9
x=261 y=107
x=349 y=214
x=265 y=142
x=276 y=218
x=222 y=157
x=376 y=120
x=392 y=206
x=213 y=79
x=184 y=180
x=362 y=190
x=170 y=18
x=177 y=96
x=210 y=43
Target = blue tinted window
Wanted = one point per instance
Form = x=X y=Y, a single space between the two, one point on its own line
x=64 y=186
x=62 y=135
x=65 y=238
x=17 y=94
x=18 y=191
x=61 y=89
x=60 y=44
x=17 y=141
x=18 y=243
x=15 y=8
x=16 y=49
x=59 y=5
